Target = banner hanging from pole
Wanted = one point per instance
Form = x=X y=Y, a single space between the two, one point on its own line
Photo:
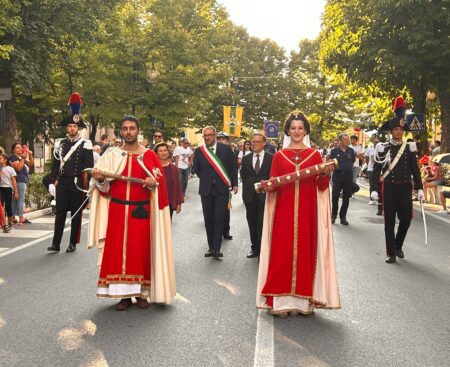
x=271 y=128
x=232 y=120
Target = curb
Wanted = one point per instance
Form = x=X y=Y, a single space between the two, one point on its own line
x=37 y=213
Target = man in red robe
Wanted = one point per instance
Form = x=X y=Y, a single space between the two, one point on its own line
x=130 y=224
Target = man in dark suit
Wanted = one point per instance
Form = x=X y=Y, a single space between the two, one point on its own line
x=214 y=164
x=255 y=167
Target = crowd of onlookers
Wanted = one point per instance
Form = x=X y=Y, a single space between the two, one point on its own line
x=14 y=179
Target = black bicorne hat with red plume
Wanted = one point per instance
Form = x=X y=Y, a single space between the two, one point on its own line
x=399 y=108
x=75 y=103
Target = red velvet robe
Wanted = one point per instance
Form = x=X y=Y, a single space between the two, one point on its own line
x=293 y=246
x=126 y=256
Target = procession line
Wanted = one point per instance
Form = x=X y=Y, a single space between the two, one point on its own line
x=34 y=242
x=264 y=346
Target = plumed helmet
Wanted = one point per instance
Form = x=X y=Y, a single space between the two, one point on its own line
x=75 y=103
x=399 y=107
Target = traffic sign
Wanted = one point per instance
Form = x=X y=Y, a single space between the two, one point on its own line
x=415 y=122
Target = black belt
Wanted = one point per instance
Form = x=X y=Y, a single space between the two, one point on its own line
x=128 y=202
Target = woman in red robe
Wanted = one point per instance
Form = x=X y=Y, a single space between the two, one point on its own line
x=297 y=267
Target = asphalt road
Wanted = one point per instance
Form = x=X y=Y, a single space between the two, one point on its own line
x=392 y=315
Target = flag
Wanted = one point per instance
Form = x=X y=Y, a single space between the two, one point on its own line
x=232 y=120
x=271 y=128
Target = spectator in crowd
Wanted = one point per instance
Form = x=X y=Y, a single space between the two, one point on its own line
x=174 y=192
x=3 y=221
x=279 y=146
x=432 y=179
x=96 y=150
x=437 y=148
x=158 y=137
x=8 y=186
x=118 y=142
x=359 y=155
x=247 y=149
x=369 y=157
x=21 y=161
x=105 y=142
x=183 y=160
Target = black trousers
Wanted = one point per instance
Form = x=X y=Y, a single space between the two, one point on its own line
x=397 y=201
x=68 y=198
x=342 y=181
x=226 y=227
x=6 y=196
x=214 y=213
x=255 y=217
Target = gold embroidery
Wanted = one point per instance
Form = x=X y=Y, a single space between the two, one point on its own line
x=294 y=260
x=127 y=209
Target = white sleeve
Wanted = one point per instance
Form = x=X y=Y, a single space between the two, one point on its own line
x=104 y=187
x=176 y=151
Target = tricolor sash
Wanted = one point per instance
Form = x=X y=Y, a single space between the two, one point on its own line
x=217 y=164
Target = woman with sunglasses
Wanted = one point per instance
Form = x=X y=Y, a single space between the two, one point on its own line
x=246 y=149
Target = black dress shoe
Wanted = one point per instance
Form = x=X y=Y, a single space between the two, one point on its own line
x=400 y=253
x=228 y=236
x=380 y=211
x=344 y=221
x=390 y=259
x=217 y=254
x=252 y=254
x=209 y=253
x=333 y=219
x=53 y=248
x=71 y=248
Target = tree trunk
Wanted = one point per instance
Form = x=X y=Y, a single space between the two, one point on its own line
x=444 y=98
x=93 y=119
x=419 y=95
x=10 y=135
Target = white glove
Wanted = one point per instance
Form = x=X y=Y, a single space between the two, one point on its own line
x=52 y=190
x=420 y=195
x=374 y=195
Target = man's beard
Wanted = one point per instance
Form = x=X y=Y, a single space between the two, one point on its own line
x=130 y=140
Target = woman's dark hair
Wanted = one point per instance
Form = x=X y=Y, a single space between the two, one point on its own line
x=248 y=142
x=162 y=144
x=8 y=163
x=128 y=118
x=14 y=147
x=299 y=116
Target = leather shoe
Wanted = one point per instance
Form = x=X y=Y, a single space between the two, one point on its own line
x=333 y=219
x=344 y=221
x=217 y=254
x=228 y=236
x=209 y=253
x=124 y=304
x=252 y=254
x=53 y=248
x=380 y=211
x=400 y=253
x=142 y=303
x=71 y=248
x=391 y=259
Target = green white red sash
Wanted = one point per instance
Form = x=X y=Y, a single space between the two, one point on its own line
x=217 y=164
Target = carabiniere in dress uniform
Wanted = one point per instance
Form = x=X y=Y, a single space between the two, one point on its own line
x=395 y=173
x=72 y=154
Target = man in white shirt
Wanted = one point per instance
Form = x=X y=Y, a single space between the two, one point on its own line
x=369 y=157
x=359 y=155
x=183 y=160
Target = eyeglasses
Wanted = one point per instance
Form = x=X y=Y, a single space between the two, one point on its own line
x=247 y=143
x=256 y=141
x=157 y=136
x=207 y=135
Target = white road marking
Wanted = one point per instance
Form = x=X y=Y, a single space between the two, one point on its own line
x=264 y=343
x=34 y=242
x=179 y=297
x=3 y=249
x=28 y=233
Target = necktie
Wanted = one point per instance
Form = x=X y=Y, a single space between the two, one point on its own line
x=257 y=164
x=212 y=150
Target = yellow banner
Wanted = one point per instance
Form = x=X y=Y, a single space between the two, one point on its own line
x=232 y=120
